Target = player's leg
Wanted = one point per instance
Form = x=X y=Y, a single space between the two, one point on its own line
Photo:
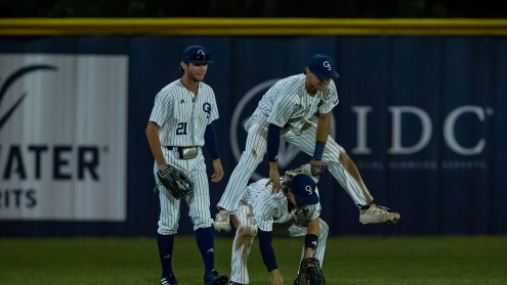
x=333 y=154
x=199 y=212
x=167 y=228
x=251 y=157
x=346 y=173
x=321 y=245
x=242 y=244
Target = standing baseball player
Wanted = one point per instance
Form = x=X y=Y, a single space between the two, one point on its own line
x=260 y=208
x=286 y=110
x=180 y=124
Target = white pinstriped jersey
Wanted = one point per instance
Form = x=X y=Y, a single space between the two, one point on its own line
x=183 y=117
x=287 y=103
x=269 y=207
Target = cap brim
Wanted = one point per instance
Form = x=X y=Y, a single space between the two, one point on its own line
x=331 y=75
x=201 y=61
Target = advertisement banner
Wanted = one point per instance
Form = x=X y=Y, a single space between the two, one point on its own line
x=63 y=137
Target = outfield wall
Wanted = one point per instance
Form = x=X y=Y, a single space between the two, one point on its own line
x=423 y=117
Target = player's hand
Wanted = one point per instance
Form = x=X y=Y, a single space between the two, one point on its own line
x=316 y=167
x=274 y=176
x=218 y=171
x=276 y=277
x=162 y=166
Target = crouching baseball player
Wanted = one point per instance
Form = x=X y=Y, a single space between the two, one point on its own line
x=260 y=208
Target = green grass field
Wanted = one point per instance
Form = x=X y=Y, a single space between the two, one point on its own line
x=372 y=261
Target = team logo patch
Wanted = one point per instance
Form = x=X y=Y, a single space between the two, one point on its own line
x=206 y=107
x=327 y=65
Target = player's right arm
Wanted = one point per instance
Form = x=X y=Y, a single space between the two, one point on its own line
x=282 y=110
x=151 y=132
x=159 y=115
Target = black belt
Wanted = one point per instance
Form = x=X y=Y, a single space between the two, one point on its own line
x=184 y=152
x=173 y=147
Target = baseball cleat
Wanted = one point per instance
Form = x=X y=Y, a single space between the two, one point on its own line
x=377 y=215
x=214 y=278
x=171 y=280
x=222 y=221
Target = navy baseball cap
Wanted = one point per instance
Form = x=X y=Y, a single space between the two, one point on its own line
x=196 y=53
x=303 y=188
x=322 y=66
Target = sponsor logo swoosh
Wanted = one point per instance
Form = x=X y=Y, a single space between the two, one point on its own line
x=11 y=79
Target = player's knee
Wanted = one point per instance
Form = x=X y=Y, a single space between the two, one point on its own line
x=201 y=222
x=335 y=155
x=167 y=229
x=344 y=158
x=247 y=232
x=245 y=237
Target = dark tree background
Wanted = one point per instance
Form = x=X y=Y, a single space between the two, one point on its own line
x=256 y=8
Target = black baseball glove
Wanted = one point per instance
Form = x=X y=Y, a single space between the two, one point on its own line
x=302 y=216
x=310 y=273
x=175 y=181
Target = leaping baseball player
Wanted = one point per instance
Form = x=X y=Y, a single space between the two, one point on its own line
x=286 y=111
x=260 y=208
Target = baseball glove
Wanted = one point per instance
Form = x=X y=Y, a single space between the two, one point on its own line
x=310 y=273
x=302 y=216
x=175 y=181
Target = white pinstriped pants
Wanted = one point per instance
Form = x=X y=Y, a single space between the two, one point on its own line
x=242 y=244
x=256 y=147
x=198 y=203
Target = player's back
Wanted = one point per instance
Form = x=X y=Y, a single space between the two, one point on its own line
x=286 y=86
x=268 y=207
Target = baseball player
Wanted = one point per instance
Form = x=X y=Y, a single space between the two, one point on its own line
x=260 y=208
x=180 y=124
x=286 y=110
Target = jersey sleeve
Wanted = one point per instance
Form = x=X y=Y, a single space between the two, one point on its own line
x=284 y=106
x=264 y=217
x=214 y=115
x=329 y=100
x=162 y=108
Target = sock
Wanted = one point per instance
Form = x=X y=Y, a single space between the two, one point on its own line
x=204 y=237
x=165 y=250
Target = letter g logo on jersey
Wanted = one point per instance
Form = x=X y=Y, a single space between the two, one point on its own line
x=206 y=107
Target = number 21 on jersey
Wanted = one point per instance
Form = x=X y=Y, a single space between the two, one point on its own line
x=181 y=128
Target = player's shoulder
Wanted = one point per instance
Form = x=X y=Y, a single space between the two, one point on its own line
x=292 y=80
x=206 y=88
x=289 y=88
x=170 y=89
x=204 y=85
x=331 y=90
